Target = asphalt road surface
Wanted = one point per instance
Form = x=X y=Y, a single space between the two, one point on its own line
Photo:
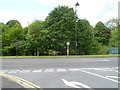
x=65 y=72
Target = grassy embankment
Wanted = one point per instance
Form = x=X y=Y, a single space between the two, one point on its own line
x=78 y=56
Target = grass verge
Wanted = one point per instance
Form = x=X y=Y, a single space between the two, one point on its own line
x=75 y=56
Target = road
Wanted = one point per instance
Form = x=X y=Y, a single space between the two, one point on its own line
x=65 y=72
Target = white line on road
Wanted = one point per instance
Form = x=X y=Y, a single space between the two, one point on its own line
x=75 y=84
x=37 y=71
x=24 y=71
x=58 y=70
x=74 y=69
x=114 y=70
x=112 y=76
x=13 y=71
x=100 y=76
x=49 y=70
x=106 y=60
x=103 y=69
x=61 y=70
x=3 y=71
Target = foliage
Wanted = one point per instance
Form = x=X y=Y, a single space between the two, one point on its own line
x=11 y=23
x=112 y=23
x=3 y=27
x=50 y=37
x=60 y=24
x=36 y=38
x=10 y=39
x=114 y=39
x=102 y=33
x=85 y=37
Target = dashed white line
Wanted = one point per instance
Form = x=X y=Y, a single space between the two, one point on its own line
x=24 y=71
x=12 y=71
x=49 y=70
x=74 y=69
x=61 y=70
x=58 y=70
x=37 y=71
x=106 y=60
x=3 y=71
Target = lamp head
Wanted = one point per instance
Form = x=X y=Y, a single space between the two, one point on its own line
x=77 y=4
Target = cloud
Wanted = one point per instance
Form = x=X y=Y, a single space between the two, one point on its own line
x=92 y=10
x=6 y=16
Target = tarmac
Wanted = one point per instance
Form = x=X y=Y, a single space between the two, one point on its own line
x=9 y=84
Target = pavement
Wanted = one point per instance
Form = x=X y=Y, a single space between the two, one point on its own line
x=66 y=72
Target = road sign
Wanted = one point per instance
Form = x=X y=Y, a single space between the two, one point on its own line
x=68 y=50
x=113 y=50
x=68 y=43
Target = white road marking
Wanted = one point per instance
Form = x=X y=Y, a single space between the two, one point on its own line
x=114 y=70
x=75 y=84
x=49 y=70
x=106 y=60
x=87 y=68
x=103 y=69
x=37 y=71
x=61 y=70
x=74 y=69
x=24 y=71
x=3 y=71
x=97 y=60
x=100 y=76
x=112 y=76
x=12 y=71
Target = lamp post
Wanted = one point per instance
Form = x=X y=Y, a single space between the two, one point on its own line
x=77 y=4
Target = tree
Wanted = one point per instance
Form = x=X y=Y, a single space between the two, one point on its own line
x=102 y=33
x=35 y=38
x=86 y=42
x=11 y=23
x=61 y=23
x=112 y=23
x=3 y=27
x=114 y=39
x=11 y=38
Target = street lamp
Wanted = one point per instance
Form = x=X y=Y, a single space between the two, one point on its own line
x=77 y=4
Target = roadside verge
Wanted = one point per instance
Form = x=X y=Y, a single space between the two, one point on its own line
x=71 y=56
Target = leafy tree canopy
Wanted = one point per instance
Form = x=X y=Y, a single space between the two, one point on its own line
x=61 y=23
x=11 y=23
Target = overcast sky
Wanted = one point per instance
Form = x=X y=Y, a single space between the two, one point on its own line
x=26 y=11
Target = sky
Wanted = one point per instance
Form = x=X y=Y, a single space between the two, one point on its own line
x=27 y=11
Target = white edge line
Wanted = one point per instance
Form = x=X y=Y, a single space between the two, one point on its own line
x=115 y=70
x=112 y=77
x=100 y=76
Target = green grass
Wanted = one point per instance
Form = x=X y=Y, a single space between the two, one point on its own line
x=78 y=56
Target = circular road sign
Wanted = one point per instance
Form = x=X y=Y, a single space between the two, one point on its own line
x=68 y=43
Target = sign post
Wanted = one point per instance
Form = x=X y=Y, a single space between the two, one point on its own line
x=68 y=51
